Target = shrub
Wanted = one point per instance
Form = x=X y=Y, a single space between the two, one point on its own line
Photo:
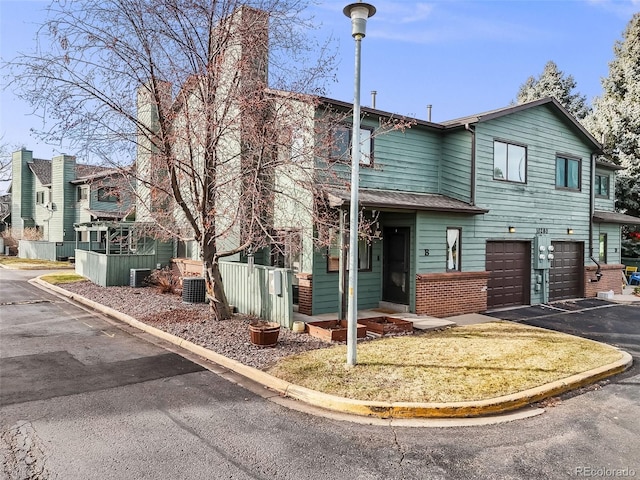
x=31 y=233
x=164 y=280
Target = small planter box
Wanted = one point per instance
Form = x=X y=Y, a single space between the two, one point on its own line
x=387 y=325
x=333 y=330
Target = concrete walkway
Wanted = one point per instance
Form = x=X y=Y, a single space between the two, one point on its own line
x=372 y=409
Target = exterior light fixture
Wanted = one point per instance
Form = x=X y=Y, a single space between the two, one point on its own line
x=569 y=231
x=512 y=229
x=359 y=13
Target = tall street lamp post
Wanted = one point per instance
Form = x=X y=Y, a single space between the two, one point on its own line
x=359 y=13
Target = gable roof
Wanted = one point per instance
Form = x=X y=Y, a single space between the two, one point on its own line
x=551 y=102
x=41 y=169
x=379 y=113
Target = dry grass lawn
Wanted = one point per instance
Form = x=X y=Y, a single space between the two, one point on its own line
x=464 y=363
x=58 y=278
x=32 y=263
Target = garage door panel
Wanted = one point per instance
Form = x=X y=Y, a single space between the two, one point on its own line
x=509 y=267
x=566 y=273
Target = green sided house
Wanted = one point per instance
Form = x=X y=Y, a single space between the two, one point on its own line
x=51 y=196
x=505 y=208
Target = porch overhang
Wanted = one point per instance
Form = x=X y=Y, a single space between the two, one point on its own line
x=615 y=217
x=388 y=199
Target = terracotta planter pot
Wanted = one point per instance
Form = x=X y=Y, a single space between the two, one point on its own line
x=264 y=334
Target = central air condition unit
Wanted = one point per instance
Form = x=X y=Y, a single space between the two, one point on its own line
x=193 y=290
x=137 y=277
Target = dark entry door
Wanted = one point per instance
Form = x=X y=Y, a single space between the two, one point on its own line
x=395 y=286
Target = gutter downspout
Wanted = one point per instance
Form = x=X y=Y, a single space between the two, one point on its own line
x=472 y=193
x=592 y=207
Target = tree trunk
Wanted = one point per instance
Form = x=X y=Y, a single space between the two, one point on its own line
x=218 y=302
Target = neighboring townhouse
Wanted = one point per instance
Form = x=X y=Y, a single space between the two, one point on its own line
x=53 y=195
x=5 y=211
x=505 y=208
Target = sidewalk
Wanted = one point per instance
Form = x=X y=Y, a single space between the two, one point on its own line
x=395 y=411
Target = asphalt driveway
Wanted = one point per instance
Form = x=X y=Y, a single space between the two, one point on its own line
x=606 y=322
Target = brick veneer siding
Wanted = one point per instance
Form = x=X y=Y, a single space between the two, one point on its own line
x=448 y=294
x=304 y=293
x=611 y=279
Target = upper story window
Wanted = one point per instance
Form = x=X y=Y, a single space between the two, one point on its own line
x=602 y=186
x=39 y=198
x=341 y=141
x=509 y=162
x=106 y=194
x=568 y=173
x=83 y=193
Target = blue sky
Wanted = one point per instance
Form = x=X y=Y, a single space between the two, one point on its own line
x=462 y=57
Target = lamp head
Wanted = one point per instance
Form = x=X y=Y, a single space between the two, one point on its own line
x=359 y=12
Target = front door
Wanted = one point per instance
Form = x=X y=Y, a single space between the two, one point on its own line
x=395 y=285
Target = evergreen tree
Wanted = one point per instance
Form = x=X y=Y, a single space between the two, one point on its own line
x=615 y=119
x=553 y=83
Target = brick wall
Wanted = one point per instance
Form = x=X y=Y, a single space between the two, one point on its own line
x=448 y=294
x=305 y=285
x=611 y=279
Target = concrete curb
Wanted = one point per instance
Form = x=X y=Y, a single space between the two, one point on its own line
x=386 y=410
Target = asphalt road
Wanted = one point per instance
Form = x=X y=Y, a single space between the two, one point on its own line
x=80 y=398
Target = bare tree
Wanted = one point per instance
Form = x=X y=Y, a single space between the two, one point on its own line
x=5 y=162
x=210 y=96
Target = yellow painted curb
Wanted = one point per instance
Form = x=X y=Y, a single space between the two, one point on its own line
x=493 y=406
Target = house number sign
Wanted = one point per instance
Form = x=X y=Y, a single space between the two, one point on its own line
x=542 y=230
x=426 y=252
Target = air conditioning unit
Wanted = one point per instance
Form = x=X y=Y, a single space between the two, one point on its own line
x=193 y=290
x=137 y=276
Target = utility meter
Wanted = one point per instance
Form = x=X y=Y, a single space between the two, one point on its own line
x=542 y=245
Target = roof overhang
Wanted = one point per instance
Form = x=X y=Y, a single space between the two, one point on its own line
x=615 y=217
x=393 y=200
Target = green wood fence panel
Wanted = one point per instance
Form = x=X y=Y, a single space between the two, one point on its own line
x=248 y=288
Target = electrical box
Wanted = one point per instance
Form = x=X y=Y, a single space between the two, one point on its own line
x=275 y=282
x=543 y=252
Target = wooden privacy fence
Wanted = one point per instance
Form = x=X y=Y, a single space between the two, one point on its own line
x=265 y=292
